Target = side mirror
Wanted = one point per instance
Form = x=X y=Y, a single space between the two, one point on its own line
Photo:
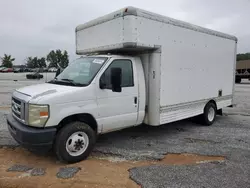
x=116 y=79
x=102 y=83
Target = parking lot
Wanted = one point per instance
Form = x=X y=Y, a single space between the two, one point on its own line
x=180 y=154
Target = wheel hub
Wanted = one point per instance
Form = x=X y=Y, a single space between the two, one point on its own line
x=77 y=143
x=211 y=114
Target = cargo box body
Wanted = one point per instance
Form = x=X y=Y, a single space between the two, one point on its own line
x=185 y=66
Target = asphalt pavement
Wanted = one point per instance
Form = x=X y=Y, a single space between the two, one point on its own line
x=228 y=137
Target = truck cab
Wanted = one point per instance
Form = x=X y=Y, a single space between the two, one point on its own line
x=101 y=91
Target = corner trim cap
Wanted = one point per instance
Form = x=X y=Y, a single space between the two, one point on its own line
x=130 y=11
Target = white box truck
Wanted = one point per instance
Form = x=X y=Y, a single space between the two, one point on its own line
x=138 y=67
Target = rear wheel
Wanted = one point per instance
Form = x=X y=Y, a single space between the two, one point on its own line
x=74 y=142
x=209 y=115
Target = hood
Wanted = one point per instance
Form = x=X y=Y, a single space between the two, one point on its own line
x=35 y=91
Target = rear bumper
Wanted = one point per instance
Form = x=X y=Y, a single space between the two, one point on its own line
x=29 y=137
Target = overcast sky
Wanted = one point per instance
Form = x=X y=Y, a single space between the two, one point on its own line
x=34 y=27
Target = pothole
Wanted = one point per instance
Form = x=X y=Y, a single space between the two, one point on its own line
x=97 y=171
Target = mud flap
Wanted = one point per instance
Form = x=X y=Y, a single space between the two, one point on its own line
x=219 y=112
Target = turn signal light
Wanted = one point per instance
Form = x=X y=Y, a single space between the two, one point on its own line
x=44 y=114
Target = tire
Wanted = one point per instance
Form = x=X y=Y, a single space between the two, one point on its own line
x=209 y=115
x=74 y=131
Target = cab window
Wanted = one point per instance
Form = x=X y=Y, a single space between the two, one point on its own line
x=127 y=73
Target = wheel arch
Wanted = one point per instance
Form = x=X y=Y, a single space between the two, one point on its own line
x=211 y=101
x=83 y=117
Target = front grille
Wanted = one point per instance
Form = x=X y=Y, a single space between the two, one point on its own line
x=16 y=101
x=18 y=110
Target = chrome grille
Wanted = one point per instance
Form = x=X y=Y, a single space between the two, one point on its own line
x=18 y=110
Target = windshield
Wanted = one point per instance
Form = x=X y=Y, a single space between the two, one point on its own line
x=81 y=71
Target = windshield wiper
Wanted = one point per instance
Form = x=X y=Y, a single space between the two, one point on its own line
x=65 y=80
x=72 y=82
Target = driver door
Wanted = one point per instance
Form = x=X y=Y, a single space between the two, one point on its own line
x=118 y=110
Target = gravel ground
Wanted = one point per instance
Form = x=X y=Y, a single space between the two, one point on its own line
x=38 y=172
x=19 y=168
x=22 y=76
x=229 y=137
x=67 y=172
x=207 y=175
x=8 y=85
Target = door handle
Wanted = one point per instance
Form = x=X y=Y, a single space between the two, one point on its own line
x=135 y=100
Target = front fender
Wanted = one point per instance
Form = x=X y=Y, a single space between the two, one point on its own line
x=59 y=111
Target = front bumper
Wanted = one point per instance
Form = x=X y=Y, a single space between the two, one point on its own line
x=29 y=137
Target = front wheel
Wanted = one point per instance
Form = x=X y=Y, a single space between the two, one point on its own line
x=74 y=142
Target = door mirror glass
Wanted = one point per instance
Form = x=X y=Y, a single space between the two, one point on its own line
x=116 y=79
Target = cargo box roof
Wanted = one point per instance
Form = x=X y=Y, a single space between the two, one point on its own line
x=153 y=16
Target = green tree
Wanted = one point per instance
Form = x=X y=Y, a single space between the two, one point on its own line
x=52 y=59
x=36 y=62
x=7 y=61
x=58 y=58
x=65 y=59
x=29 y=62
x=41 y=62
x=245 y=56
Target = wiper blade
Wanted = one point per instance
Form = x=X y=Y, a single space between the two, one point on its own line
x=65 y=80
x=72 y=82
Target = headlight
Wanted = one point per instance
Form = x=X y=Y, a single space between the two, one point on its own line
x=38 y=115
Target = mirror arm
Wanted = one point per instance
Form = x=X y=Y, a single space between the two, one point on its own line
x=102 y=86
